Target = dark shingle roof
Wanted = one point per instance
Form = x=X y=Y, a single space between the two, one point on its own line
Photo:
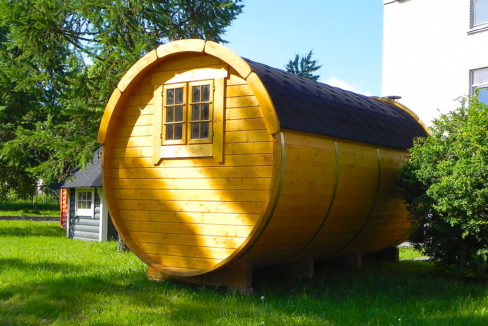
x=90 y=177
x=305 y=105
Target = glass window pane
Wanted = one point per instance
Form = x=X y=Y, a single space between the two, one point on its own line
x=170 y=114
x=480 y=14
x=179 y=131
x=195 y=94
x=206 y=93
x=179 y=113
x=170 y=96
x=195 y=112
x=483 y=95
x=480 y=77
x=179 y=95
x=169 y=132
x=205 y=112
x=194 y=130
x=204 y=127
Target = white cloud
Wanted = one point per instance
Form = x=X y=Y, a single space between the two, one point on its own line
x=333 y=81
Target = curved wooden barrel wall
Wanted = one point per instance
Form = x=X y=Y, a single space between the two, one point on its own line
x=277 y=196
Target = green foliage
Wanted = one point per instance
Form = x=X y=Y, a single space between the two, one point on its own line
x=39 y=205
x=59 y=62
x=445 y=184
x=304 y=66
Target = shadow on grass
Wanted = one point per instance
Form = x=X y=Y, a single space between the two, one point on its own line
x=408 y=293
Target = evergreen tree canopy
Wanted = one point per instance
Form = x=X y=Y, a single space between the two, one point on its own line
x=61 y=59
x=304 y=66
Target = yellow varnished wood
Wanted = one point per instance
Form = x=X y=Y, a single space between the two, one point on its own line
x=135 y=72
x=267 y=106
x=190 y=45
x=184 y=250
x=256 y=194
x=185 y=173
x=218 y=122
x=217 y=50
x=107 y=114
x=202 y=195
x=257 y=183
x=190 y=217
x=231 y=160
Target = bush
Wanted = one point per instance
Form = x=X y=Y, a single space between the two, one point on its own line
x=445 y=185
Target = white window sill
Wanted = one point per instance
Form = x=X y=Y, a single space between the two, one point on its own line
x=84 y=212
x=478 y=28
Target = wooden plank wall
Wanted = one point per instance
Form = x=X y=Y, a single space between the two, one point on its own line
x=189 y=214
x=337 y=197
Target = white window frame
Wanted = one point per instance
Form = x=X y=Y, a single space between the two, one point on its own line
x=474 y=85
x=478 y=27
x=85 y=211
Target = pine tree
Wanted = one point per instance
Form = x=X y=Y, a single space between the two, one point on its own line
x=304 y=66
x=61 y=59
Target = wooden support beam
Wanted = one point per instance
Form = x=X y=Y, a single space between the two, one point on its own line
x=237 y=278
x=302 y=268
x=391 y=254
x=352 y=259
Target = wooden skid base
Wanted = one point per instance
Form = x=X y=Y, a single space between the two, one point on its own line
x=352 y=259
x=391 y=254
x=237 y=278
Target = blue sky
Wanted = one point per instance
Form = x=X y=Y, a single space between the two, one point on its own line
x=346 y=37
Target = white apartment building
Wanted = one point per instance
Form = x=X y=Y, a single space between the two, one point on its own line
x=435 y=53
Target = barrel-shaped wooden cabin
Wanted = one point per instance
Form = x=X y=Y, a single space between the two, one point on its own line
x=214 y=164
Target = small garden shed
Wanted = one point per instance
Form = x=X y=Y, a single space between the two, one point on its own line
x=82 y=200
x=214 y=165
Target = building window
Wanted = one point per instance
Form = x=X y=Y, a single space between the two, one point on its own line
x=479 y=12
x=187 y=113
x=201 y=109
x=174 y=114
x=479 y=82
x=84 y=202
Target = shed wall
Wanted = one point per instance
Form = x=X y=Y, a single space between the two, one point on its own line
x=84 y=227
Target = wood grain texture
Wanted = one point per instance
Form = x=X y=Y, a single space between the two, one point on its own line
x=259 y=195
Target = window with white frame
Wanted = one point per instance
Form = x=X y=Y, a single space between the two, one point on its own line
x=84 y=202
x=479 y=82
x=479 y=12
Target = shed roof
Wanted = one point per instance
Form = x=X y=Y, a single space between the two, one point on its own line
x=89 y=177
x=305 y=105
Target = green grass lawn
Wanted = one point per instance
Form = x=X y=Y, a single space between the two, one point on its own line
x=28 y=208
x=48 y=279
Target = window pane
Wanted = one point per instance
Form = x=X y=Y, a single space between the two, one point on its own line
x=205 y=112
x=170 y=96
x=195 y=112
x=480 y=77
x=179 y=131
x=169 y=114
x=195 y=94
x=194 y=130
x=204 y=127
x=169 y=132
x=483 y=95
x=480 y=14
x=179 y=95
x=179 y=113
x=206 y=93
